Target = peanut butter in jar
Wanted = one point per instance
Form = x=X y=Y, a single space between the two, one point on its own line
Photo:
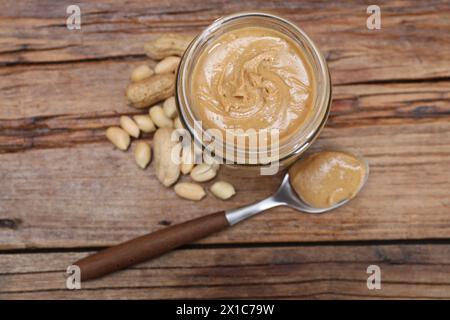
x=253 y=78
x=254 y=74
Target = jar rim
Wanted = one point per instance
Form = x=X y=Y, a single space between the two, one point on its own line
x=293 y=146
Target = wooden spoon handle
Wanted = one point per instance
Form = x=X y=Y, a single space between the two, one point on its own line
x=150 y=245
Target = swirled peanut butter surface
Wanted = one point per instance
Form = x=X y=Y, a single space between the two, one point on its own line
x=253 y=78
x=326 y=178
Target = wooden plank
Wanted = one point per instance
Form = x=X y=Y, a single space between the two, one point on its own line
x=74 y=103
x=412 y=43
x=87 y=89
x=71 y=188
x=94 y=195
x=312 y=272
x=63 y=186
x=63 y=105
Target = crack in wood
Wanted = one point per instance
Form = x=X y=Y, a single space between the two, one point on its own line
x=165 y=223
x=26 y=48
x=445 y=242
x=12 y=224
x=125 y=57
x=395 y=81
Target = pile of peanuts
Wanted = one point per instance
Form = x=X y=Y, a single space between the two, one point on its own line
x=148 y=88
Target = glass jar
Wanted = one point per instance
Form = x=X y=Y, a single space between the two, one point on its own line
x=290 y=149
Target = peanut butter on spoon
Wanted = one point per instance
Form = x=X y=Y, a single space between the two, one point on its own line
x=326 y=178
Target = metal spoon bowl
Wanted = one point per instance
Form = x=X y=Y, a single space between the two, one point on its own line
x=286 y=196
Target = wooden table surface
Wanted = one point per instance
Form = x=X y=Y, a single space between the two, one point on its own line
x=65 y=192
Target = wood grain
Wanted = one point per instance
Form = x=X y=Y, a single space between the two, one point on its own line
x=94 y=195
x=37 y=119
x=307 y=272
x=63 y=186
x=67 y=187
x=412 y=43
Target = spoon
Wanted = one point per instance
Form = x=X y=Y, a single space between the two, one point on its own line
x=155 y=244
